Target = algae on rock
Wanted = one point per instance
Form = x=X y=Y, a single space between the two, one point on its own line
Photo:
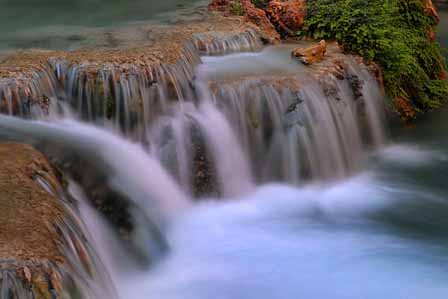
x=397 y=35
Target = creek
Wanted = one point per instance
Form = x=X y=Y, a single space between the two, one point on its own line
x=308 y=194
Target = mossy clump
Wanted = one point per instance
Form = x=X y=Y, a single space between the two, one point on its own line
x=262 y=4
x=395 y=34
x=236 y=8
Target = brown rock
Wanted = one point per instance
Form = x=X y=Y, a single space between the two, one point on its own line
x=432 y=35
x=220 y=5
x=258 y=17
x=251 y=14
x=443 y=75
x=25 y=207
x=405 y=109
x=287 y=16
x=312 y=54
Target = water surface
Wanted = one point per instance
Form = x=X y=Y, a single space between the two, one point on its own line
x=64 y=24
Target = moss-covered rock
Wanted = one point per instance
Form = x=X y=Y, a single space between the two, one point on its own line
x=397 y=35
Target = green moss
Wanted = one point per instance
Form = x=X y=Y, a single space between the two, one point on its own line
x=236 y=8
x=260 y=3
x=392 y=33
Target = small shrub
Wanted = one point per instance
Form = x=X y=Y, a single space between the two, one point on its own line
x=236 y=8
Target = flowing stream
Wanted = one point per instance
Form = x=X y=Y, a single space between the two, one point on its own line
x=252 y=187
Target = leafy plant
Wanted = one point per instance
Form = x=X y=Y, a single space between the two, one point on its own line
x=236 y=8
x=392 y=33
x=260 y=3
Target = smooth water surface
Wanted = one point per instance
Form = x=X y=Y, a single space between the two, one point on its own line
x=64 y=24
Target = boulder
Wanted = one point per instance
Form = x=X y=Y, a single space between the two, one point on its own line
x=250 y=13
x=287 y=16
x=30 y=244
x=43 y=253
x=311 y=54
x=259 y=17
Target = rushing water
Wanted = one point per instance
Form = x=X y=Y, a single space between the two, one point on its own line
x=307 y=198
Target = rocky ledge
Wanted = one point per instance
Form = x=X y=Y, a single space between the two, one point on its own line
x=41 y=253
x=161 y=56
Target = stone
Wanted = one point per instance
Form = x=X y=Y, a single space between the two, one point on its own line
x=259 y=17
x=287 y=16
x=311 y=54
x=38 y=229
x=220 y=5
x=251 y=14
x=30 y=245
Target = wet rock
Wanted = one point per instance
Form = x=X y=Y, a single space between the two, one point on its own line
x=311 y=54
x=32 y=249
x=251 y=14
x=356 y=84
x=259 y=17
x=204 y=173
x=338 y=70
x=94 y=175
x=95 y=81
x=287 y=16
x=405 y=109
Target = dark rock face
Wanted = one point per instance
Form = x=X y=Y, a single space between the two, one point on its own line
x=204 y=174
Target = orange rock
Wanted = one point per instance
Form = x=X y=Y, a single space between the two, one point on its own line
x=287 y=16
x=443 y=75
x=312 y=54
x=405 y=109
x=251 y=14
x=258 y=17
x=432 y=35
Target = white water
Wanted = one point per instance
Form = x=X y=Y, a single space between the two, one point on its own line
x=313 y=242
x=280 y=241
x=131 y=169
x=377 y=232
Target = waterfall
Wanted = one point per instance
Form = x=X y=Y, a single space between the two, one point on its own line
x=30 y=96
x=261 y=112
x=129 y=168
x=222 y=166
x=218 y=43
x=294 y=126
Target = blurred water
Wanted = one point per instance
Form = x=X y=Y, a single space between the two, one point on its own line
x=63 y=24
x=378 y=234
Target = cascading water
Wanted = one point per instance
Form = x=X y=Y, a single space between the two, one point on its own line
x=227 y=127
x=292 y=126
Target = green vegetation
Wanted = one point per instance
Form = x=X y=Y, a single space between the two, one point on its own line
x=395 y=35
x=236 y=8
x=260 y=3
